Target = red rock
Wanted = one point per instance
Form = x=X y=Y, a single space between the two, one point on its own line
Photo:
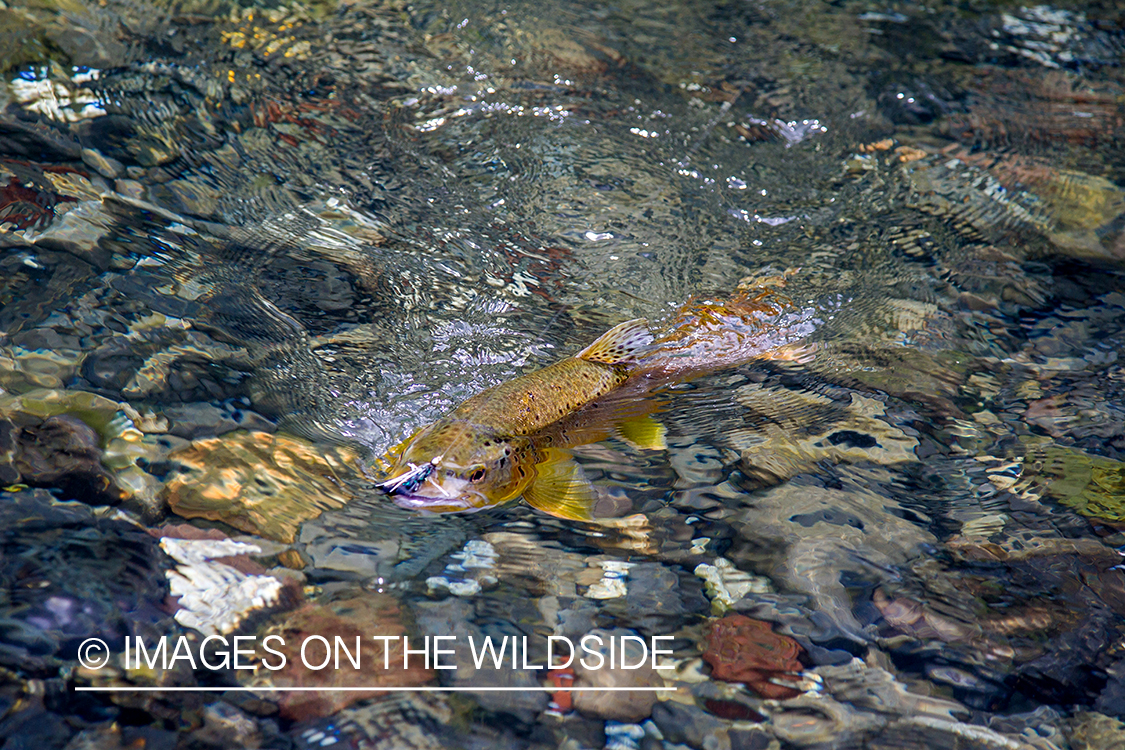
x=740 y=649
x=732 y=710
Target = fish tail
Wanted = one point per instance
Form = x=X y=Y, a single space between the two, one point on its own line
x=710 y=334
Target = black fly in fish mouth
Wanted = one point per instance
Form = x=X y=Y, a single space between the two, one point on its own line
x=404 y=491
x=409 y=481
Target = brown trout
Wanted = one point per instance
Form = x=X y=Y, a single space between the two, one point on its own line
x=510 y=440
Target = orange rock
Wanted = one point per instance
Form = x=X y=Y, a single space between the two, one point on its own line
x=740 y=649
x=260 y=483
x=291 y=559
x=883 y=145
x=909 y=153
x=561 y=701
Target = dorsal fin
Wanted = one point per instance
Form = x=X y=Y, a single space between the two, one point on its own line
x=619 y=344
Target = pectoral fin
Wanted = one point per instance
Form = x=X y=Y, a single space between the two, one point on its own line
x=643 y=433
x=561 y=488
x=620 y=344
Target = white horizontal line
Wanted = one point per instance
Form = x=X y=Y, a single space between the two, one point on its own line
x=367 y=689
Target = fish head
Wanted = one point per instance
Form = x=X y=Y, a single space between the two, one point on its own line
x=457 y=466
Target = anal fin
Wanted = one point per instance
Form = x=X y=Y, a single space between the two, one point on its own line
x=643 y=433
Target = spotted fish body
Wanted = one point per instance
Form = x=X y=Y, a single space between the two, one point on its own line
x=508 y=440
x=538 y=399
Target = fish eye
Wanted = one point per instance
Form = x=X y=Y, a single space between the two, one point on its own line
x=477 y=475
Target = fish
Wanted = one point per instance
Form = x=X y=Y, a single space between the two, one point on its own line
x=512 y=439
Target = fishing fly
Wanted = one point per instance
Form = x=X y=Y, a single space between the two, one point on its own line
x=410 y=480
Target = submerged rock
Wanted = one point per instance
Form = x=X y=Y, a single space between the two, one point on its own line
x=877 y=690
x=925 y=732
x=67 y=575
x=620 y=705
x=369 y=539
x=82 y=443
x=740 y=649
x=809 y=536
x=398 y=721
x=455 y=618
x=226 y=726
x=198 y=420
x=824 y=642
x=1093 y=486
x=53 y=438
x=811 y=721
x=63 y=452
x=354 y=620
x=546 y=566
x=797 y=430
x=28 y=724
x=216 y=597
x=1090 y=730
x=725 y=584
x=260 y=483
x=688 y=724
x=656 y=599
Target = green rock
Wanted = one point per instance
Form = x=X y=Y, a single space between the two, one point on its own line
x=1091 y=485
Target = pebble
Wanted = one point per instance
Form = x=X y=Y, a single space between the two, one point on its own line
x=395 y=721
x=105 y=166
x=1089 y=730
x=200 y=420
x=620 y=736
x=468 y=571
x=687 y=724
x=807 y=721
x=130 y=189
x=61 y=452
x=726 y=584
x=613 y=582
x=193 y=196
x=226 y=726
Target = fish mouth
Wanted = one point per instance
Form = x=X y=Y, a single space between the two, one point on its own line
x=461 y=503
x=417 y=489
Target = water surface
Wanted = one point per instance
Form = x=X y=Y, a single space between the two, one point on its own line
x=246 y=249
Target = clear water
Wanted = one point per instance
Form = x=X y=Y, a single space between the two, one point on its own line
x=339 y=221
